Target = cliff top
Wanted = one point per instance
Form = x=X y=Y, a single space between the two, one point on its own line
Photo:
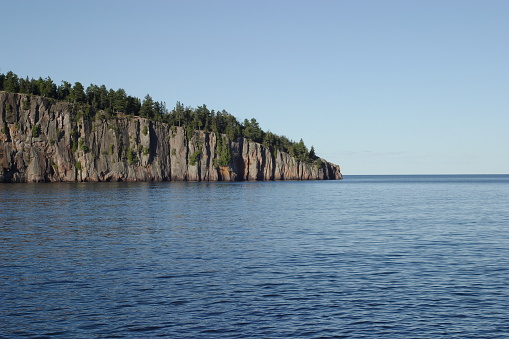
x=98 y=100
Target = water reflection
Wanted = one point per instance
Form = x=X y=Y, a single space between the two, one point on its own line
x=392 y=258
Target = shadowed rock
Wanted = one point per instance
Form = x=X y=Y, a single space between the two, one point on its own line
x=51 y=141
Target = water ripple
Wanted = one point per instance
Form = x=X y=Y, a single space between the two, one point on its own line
x=371 y=257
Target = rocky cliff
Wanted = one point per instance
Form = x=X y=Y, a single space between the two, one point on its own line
x=46 y=140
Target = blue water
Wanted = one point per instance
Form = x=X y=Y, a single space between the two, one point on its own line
x=369 y=256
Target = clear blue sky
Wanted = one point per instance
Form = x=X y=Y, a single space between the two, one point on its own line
x=378 y=87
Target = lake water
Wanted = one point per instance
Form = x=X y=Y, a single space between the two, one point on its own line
x=369 y=256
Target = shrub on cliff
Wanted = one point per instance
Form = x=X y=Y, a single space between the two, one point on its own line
x=223 y=153
x=36 y=131
x=99 y=100
x=194 y=157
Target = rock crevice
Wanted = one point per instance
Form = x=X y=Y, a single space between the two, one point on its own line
x=43 y=140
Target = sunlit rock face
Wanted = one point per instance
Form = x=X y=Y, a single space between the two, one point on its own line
x=43 y=140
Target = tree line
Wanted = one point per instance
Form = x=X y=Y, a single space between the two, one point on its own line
x=97 y=99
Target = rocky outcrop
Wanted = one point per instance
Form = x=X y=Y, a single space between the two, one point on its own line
x=43 y=140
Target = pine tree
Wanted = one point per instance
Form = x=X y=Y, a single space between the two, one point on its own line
x=78 y=92
x=312 y=154
x=120 y=101
x=11 y=82
x=147 y=107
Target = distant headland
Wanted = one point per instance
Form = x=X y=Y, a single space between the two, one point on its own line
x=51 y=133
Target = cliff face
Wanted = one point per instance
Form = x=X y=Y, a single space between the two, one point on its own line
x=46 y=140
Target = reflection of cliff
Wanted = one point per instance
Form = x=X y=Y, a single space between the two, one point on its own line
x=43 y=140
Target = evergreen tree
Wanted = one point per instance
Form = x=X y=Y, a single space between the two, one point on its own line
x=312 y=154
x=111 y=99
x=26 y=86
x=300 y=151
x=92 y=97
x=160 y=110
x=269 y=140
x=252 y=130
x=11 y=83
x=120 y=101
x=47 y=88
x=133 y=105
x=78 y=92
x=178 y=113
x=201 y=118
x=147 y=107
x=64 y=91
x=104 y=100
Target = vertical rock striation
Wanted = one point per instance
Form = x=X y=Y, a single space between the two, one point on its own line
x=43 y=140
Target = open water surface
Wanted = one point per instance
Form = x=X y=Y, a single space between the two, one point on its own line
x=369 y=256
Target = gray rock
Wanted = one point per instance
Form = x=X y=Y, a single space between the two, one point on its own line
x=51 y=141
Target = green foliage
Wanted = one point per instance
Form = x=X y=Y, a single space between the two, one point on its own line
x=8 y=108
x=312 y=154
x=252 y=130
x=159 y=110
x=114 y=128
x=189 y=132
x=131 y=157
x=133 y=105
x=11 y=83
x=82 y=146
x=46 y=87
x=194 y=157
x=300 y=151
x=36 y=131
x=87 y=113
x=119 y=99
x=74 y=140
x=318 y=163
x=26 y=104
x=79 y=167
x=177 y=115
x=64 y=91
x=223 y=153
x=78 y=92
x=108 y=102
x=147 y=107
